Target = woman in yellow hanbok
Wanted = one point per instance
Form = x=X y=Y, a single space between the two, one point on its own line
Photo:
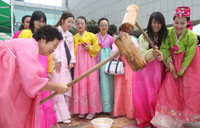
x=86 y=93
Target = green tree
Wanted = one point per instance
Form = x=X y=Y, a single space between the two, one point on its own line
x=73 y=30
x=92 y=26
x=112 y=29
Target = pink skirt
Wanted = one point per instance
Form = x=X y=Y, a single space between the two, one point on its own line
x=86 y=93
x=123 y=102
x=47 y=112
x=178 y=98
x=146 y=85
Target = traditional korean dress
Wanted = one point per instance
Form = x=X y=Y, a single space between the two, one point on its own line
x=86 y=93
x=123 y=92
x=106 y=81
x=61 y=101
x=146 y=85
x=21 y=81
x=47 y=112
x=178 y=98
x=17 y=34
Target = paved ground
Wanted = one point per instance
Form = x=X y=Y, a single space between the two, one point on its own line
x=121 y=122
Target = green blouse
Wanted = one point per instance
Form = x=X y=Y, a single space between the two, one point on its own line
x=187 y=43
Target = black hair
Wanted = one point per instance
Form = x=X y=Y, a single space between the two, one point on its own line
x=37 y=15
x=101 y=20
x=64 y=16
x=120 y=28
x=48 y=33
x=23 y=18
x=198 y=38
x=187 y=18
x=82 y=17
x=162 y=34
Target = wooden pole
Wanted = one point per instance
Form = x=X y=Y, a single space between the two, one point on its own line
x=83 y=75
x=145 y=36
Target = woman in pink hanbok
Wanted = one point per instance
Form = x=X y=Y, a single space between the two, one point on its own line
x=47 y=113
x=123 y=102
x=22 y=78
x=178 y=98
x=86 y=93
x=63 y=62
x=147 y=82
x=106 y=81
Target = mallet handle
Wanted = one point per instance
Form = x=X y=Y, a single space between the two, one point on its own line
x=150 y=42
x=83 y=75
x=145 y=35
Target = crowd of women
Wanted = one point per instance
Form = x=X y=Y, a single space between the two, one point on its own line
x=164 y=94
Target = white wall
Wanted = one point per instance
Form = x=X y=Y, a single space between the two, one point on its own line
x=114 y=10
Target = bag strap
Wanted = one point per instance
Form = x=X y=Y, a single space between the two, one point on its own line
x=116 y=66
x=109 y=66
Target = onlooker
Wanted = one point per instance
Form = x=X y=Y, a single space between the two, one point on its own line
x=63 y=61
x=24 y=25
x=86 y=93
x=106 y=81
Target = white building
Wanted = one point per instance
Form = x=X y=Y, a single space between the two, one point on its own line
x=52 y=13
x=114 y=10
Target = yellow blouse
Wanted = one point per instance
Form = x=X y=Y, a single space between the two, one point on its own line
x=88 y=38
x=27 y=33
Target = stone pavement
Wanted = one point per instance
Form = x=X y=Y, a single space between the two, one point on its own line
x=121 y=122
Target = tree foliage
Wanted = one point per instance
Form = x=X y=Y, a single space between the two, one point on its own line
x=92 y=26
x=73 y=30
x=112 y=29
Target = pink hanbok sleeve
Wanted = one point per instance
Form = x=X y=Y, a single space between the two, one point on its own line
x=114 y=49
x=112 y=41
x=30 y=70
x=17 y=34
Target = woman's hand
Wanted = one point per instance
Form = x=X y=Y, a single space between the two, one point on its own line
x=71 y=65
x=57 y=67
x=160 y=57
x=49 y=76
x=62 y=88
x=172 y=69
x=156 y=52
x=85 y=46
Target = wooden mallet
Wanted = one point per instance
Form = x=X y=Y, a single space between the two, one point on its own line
x=129 y=22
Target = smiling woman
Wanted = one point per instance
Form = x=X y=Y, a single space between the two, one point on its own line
x=177 y=99
x=48 y=41
x=22 y=78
